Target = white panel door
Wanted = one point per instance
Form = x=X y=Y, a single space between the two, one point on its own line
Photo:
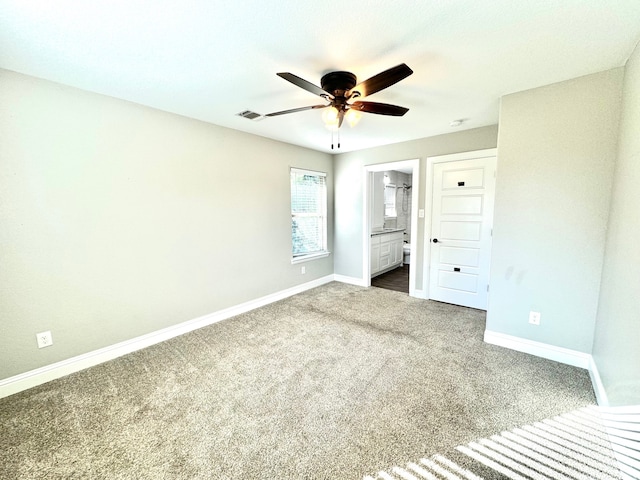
x=462 y=216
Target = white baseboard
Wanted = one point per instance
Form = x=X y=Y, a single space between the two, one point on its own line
x=551 y=352
x=361 y=283
x=24 y=381
x=350 y=280
x=598 y=386
x=419 y=294
x=32 y=378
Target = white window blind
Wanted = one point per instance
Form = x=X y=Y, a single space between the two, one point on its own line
x=308 y=213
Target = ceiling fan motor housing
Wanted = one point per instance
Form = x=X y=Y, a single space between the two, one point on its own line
x=338 y=83
x=338 y=89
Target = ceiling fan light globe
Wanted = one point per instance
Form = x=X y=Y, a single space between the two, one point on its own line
x=330 y=117
x=352 y=117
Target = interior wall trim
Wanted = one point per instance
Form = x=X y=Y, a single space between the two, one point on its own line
x=350 y=280
x=38 y=376
x=420 y=294
x=596 y=381
x=539 y=349
x=552 y=352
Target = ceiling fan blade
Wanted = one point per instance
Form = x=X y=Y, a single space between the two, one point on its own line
x=294 y=110
x=382 y=80
x=379 y=108
x=302 y=83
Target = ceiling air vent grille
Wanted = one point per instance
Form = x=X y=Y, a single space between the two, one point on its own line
x=249 y=114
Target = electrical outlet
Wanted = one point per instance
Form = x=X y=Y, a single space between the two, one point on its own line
x=44 y=339
x=303 y=270
x=534 y=318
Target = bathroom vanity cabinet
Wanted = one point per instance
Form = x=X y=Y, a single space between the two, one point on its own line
x=386 y=250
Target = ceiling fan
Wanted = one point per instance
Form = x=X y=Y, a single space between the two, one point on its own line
x=340 y=88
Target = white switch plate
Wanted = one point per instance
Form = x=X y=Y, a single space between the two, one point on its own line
x=44 y=339
x=534 y=318
x=303 y=270
x=421 y=213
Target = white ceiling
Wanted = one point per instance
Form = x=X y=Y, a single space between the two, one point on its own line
x=210 y=59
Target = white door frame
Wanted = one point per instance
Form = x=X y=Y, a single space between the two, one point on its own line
x=368 y=171
x=428 y=202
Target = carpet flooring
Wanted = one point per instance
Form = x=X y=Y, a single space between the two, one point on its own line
x=587 y=444
x=336 y=382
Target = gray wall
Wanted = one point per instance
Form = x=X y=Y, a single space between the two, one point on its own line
x=119 y=220
x=616 y=349
x=556 y=155
x=349 y=175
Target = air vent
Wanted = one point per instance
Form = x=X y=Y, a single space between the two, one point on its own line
x=249 y=114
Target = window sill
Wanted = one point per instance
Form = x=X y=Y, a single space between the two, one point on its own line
x=311 y=256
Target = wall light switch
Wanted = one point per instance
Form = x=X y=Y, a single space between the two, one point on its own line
x=421 y=213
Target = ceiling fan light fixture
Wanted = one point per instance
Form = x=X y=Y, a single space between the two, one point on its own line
x=331 y=118
x=352 y=117
x=338 y=88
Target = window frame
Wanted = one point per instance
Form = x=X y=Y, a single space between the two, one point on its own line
x=322 y=214
x=390 y=208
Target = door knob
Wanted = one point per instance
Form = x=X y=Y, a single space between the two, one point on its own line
x=435 y=240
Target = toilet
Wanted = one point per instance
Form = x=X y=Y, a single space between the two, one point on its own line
x=406 y=254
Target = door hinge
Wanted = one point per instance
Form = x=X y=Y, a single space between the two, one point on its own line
x=487 y=287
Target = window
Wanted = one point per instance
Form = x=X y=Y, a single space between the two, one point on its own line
x=308 y=214
x=390 y=200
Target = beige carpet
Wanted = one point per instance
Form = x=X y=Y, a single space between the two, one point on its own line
x=336 y=382
x=591 y=443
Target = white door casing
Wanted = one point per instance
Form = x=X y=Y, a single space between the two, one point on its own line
x=461 y=223
x=367 y=218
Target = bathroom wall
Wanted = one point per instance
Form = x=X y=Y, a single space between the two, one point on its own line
x=403 y=202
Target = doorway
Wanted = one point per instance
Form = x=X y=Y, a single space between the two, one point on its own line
x=460 y=222
x=387 y=242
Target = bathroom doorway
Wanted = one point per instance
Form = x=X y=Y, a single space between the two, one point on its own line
x=391 y=225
